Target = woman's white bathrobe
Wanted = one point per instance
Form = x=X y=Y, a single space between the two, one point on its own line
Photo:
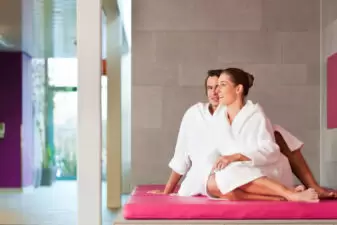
x=197 y=144
x=252 y=135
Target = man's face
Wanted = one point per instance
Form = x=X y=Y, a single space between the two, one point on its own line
x=212 y=91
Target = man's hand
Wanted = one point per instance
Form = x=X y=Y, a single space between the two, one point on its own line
x=224 y=161
x=160 y=192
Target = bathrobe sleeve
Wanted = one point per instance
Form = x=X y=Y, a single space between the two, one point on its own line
x=265 y=151
x=180 y=163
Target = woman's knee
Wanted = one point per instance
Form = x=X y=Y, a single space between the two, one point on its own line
x=214 y=191
x=212 y=187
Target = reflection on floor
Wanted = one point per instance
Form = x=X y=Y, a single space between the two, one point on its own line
x=54 y=205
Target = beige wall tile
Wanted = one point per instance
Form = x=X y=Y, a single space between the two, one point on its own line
x=186 y=47
x=147 y=106
x=143 y=47
x=300 y=47
x=277 y=74
x=163 y=15
x=154 y=74
x=290 y=15
x=150 y=156
x=226 y=15
x=249 y=47
x=313 y=74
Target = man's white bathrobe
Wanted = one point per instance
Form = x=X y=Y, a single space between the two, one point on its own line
x=203 y=137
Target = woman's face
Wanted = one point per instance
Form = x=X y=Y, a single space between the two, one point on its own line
x=227 y=90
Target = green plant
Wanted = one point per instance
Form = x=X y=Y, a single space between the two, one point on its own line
x=68 y=167
x=47 y=158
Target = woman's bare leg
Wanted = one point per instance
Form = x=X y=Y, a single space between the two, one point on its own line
x=242 y=195
x=266 y=186
x=301 y=169
x=237 y=194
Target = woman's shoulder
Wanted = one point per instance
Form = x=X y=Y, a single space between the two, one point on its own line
x=259 y=112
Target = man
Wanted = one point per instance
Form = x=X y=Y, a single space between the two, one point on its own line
x=289 y=145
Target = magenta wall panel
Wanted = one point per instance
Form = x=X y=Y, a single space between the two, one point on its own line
x=331 y=82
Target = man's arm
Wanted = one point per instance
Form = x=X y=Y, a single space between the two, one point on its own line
x=180 y=162
x=172 y=182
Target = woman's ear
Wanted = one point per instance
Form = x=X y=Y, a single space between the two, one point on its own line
x=239 y=89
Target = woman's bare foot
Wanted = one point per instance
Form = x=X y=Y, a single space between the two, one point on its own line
x=309 y=195
x=299 y=188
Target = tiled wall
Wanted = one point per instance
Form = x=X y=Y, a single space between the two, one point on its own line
x=329 y=137
x=175 y=42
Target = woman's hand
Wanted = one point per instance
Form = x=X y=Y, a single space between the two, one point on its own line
x=224 y=161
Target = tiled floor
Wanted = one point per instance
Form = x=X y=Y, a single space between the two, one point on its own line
x=54 y=205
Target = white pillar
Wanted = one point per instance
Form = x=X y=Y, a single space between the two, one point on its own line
x=89 y=112
x=114 y=179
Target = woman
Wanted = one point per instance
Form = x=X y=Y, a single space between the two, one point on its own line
x=250 y=163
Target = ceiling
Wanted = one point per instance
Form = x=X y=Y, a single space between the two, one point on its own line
x=10 y=25
x=64 y=28
x=50 y=31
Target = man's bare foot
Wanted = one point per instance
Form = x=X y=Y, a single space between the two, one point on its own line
x=309 y=195
x=299 y=188
x=325 y=194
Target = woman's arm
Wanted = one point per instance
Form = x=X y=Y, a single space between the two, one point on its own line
x=264 y=152
x=225 y=160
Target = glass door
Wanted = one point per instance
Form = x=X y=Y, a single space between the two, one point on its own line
x=64 y=131
x=62 y=116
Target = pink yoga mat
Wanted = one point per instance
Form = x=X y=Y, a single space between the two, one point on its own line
x=143 y=205
x=331 y=82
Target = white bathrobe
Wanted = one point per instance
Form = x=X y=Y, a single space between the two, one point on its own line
x=194 y=144
x=196 y=148
x=252 y=135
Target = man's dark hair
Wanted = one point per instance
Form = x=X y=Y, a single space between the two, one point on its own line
x=212 y=73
